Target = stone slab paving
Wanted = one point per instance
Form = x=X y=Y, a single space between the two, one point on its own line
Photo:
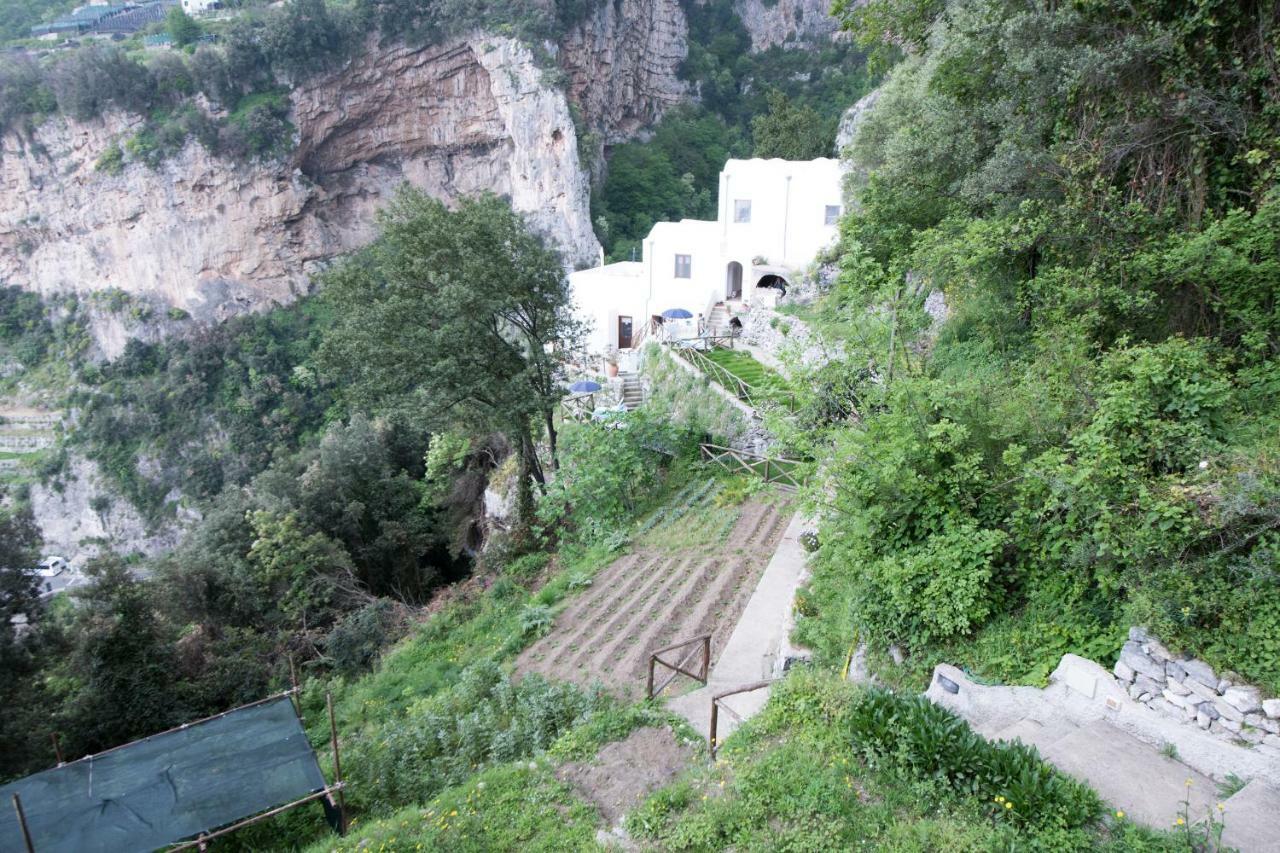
x=1088 y=727
x=751 y=652
x=1252 y=819
x=1130 y=775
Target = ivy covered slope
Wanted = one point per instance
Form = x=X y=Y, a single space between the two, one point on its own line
x=1091 y=439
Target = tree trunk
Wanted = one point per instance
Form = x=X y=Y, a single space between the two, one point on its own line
x=550 y=415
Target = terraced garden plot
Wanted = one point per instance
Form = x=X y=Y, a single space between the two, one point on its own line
x=744 y=366
x=690 y=573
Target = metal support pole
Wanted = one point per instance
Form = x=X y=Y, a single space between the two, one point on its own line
x=337 y=766
x=715 y=715
x=22 y=822
x=293 y=683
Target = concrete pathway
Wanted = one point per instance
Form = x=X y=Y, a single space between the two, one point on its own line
x=751 y=652
x=1084 y=724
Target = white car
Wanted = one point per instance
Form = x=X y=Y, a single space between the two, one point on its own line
x=51 y=567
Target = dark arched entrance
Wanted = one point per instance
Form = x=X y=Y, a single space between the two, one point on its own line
x=733 y=281
x=775 y=282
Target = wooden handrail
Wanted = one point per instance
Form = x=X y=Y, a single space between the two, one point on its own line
x=678 y=668
x=739 y=387
x=715 y=708
x=750 y=463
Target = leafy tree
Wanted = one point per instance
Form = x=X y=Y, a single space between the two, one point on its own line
x=121 y=661
x=90 y=79
x=456 y=318
x=23 y=91
x=182 y=28
x=791 y=132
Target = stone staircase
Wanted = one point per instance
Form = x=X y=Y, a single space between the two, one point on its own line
x=717 y=322
x=1090 y=730
x=632 y=391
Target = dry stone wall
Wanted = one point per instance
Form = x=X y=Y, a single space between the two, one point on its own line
x=1192 y=690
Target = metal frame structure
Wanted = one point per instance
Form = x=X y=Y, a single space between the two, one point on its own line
x=328 y=792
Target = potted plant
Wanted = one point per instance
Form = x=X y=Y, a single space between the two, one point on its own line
x=611 y=361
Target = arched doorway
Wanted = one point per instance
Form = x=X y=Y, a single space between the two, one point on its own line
x=775 y=282
x=733 y=281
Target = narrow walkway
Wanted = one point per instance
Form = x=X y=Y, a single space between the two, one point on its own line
x=751 y=652
x=1084 y=724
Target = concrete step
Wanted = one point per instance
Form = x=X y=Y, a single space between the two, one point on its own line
x=751 y=650
x=1130 y=775
x=1251 y=819
x=734 y=710
x=1034 y=733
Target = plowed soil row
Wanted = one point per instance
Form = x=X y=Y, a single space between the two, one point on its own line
x=662 y=593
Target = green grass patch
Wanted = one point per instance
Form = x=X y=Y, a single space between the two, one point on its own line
x=518 y=806
x=743 y=365
x=806 y=775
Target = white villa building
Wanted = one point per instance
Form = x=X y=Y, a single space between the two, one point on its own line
x=773 y=218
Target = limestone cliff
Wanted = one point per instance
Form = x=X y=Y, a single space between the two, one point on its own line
x=787 y=23
x=622 y=63
x=215 y=237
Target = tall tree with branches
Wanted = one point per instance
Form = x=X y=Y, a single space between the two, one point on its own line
x=458 y=319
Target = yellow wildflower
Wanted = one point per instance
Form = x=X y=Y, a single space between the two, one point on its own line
x=1120 y=814
x=1008 y=804
x=1180 y=822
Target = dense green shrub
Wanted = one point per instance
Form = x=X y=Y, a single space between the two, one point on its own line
x=607 y=473
x=25 y=330
x=929 y=741
x=1096 y=415
x=485 y=719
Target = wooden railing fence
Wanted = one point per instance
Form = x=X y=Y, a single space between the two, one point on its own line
x=773 y=469
x=693 y=351
x=715 y=710
x=579 y=407
x=703 y=645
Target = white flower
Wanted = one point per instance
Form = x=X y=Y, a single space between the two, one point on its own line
x=1204 y=463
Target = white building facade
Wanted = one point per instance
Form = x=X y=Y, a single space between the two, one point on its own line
x=772 y=219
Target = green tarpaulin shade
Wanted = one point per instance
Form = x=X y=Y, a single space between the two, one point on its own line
x=168 y=787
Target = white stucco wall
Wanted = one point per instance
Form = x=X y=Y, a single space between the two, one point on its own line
x=788 y=207
x=786 y=230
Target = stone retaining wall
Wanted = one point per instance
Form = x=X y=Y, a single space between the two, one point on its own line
x=1190 y=689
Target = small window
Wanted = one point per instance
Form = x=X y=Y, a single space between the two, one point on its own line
x=742 y=210
x=684 y=266
x=832 y=215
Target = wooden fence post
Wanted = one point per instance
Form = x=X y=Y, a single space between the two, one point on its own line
x=22 y=822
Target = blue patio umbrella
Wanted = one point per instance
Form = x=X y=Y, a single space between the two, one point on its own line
x=676 y=314
x=585 y=386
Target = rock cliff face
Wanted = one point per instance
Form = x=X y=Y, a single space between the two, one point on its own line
x=72 y=527
x=622 y=65
x=786 y=22
x=216 y=237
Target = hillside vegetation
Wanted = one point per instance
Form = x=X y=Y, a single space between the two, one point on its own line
x=1090 y=440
